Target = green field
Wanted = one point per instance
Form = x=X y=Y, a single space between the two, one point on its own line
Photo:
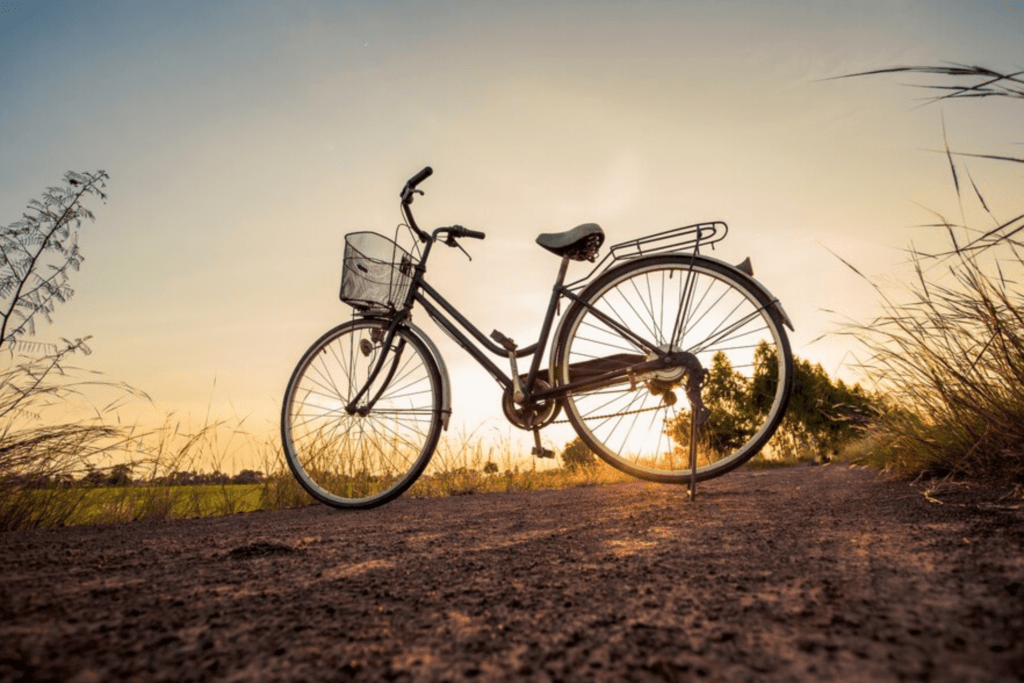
x=40 y=508
x=37 y=508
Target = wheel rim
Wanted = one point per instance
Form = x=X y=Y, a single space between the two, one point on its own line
x=356 y=460
x=727 y=326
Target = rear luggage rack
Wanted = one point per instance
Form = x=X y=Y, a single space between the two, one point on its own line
x=690 y=237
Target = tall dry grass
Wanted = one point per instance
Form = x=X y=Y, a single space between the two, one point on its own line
x=949 y=352
x=465 y=463
x=154 y=460
x=40 y=456
x=950 y=359
x=60 y=474
x=56 y=447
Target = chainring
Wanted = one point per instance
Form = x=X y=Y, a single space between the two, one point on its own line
x=532 y=415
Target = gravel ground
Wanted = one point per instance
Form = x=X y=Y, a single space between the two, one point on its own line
x=798 y=574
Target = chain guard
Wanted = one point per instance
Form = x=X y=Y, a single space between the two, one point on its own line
x=529 y=416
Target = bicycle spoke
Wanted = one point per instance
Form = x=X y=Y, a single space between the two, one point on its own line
x=615 y=337
x=706 y=310
x=709 y=309
x=356 y=460
x=683 y=310
x=726 y=334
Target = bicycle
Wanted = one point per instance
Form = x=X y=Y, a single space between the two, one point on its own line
x=655 y=318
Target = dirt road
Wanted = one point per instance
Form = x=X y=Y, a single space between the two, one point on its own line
x=798 y=574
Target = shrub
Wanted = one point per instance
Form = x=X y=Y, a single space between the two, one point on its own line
x=577 y=456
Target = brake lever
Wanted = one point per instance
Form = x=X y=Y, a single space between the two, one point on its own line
x=409 y=195
x=450 y=241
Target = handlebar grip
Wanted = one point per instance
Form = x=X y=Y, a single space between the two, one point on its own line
x=420 y=177
x=473 y=234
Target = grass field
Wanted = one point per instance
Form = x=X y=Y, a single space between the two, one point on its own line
x=104 y=505
x=40 y=508
x=79 y=505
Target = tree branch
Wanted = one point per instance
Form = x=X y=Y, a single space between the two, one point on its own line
x=52 y=238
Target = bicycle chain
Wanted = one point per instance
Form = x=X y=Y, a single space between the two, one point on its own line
x=604 y=417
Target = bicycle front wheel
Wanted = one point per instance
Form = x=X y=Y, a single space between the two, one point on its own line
x=362 y=460
x=641 y=425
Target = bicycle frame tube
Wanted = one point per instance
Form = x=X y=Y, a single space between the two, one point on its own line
x=426 y=296
x=621 y=329
x=425 y=288
x=545 y=330
x=453 y=331
x=422 y=290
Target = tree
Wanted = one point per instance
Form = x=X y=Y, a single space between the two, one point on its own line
x=248 y=477
x=729 y=398
x=119 y=475
x=38 y=252
x=821 y=417
x=577 y=456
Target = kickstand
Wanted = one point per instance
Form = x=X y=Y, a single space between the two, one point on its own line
x=699 y=415
x=693 y=454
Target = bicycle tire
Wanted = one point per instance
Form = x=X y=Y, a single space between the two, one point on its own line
x=727 y=321
x=361 y=461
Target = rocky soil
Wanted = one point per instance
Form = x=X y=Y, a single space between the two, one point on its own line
x=800 y=574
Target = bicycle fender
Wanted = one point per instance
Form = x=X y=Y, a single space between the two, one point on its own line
x=738 y=271
x=743 y=275
x=446 y=387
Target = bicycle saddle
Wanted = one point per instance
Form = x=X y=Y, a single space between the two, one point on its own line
x=579 y=244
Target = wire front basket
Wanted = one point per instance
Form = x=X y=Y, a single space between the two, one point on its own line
x=376 y=274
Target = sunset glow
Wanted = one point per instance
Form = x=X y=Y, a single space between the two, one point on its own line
x=243 y=140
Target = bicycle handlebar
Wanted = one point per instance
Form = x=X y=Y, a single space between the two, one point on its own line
x=459 y=231
x=410 y=185
x=421 y=176
x=407 y=195
x=409 y=191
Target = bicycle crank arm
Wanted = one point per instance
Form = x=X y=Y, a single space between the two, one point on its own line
x=538 y=449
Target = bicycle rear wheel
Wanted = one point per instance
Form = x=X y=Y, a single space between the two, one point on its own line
x=678 y=304
x=361 y=461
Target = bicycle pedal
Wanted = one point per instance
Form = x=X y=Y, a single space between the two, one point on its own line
x=506 y=342
x=544 y=453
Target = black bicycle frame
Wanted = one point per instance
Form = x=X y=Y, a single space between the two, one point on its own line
x=426 y=296
x=420 y=292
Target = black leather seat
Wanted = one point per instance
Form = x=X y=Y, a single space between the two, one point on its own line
x=579 y=244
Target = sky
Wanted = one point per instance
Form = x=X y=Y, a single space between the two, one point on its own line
x=244 y=139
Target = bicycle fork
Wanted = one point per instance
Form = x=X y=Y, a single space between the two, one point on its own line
x=366 y=348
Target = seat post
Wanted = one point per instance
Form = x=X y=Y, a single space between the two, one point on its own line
x=561 y=273
x=549 y=318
